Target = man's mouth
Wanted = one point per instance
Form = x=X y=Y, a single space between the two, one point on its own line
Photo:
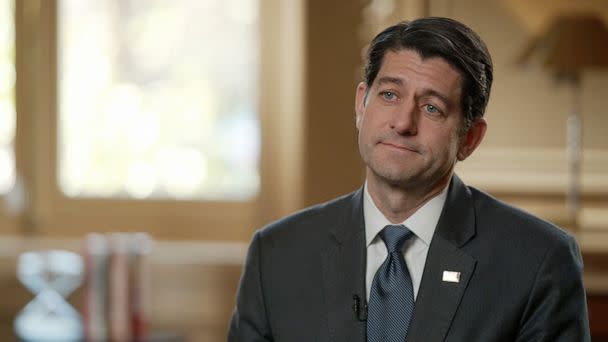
x=402 y=147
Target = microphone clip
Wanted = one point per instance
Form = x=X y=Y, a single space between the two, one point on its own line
x=360 y=309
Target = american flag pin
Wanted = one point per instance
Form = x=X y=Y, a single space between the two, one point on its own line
x=451 y=276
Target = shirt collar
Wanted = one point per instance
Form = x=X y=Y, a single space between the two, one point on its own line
x=422 y=222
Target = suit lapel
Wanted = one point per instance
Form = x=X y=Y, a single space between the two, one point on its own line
x=438 y=300
x=343 y=262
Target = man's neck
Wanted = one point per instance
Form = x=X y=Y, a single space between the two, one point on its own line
x=397 y=203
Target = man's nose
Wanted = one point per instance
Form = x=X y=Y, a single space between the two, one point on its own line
x=405 y=118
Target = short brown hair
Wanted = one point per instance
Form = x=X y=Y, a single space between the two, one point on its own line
x=448 y=39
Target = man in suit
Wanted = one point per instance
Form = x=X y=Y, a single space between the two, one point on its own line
x=414 y=254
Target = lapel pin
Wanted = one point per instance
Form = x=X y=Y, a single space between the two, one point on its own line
x=451 y=276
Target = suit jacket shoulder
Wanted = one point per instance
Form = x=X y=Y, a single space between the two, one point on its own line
x=497 y=217
x=300 y=276
x=309 y=223
x=520 y=276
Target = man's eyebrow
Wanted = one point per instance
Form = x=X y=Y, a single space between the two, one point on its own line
x=388 y=79
x=434 y=93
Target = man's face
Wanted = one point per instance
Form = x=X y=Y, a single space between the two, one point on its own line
x=409 y=121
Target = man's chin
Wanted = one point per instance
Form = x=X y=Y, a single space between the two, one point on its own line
x=396 y=178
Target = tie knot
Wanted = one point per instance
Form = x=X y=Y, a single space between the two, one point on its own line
x=394 y=237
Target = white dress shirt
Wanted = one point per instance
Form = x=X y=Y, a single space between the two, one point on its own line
x=422 y=223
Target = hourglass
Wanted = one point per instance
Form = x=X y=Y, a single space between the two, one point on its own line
x=51 y=276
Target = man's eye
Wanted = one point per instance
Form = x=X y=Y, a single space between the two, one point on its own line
x=388 y=95
x=431 y=109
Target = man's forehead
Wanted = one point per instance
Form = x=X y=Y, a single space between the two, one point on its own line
x=397 y=65
x=419 y=58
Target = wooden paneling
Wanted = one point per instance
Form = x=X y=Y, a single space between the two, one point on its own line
x=598 y=317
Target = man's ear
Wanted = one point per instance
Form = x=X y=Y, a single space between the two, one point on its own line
x=472 y=138
x=360 y=103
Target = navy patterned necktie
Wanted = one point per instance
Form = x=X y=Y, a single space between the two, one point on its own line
x=391 y=300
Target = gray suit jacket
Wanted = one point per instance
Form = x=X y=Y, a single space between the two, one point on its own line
x=520 y=277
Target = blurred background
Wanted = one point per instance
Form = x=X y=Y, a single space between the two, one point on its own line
x=198 y=121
